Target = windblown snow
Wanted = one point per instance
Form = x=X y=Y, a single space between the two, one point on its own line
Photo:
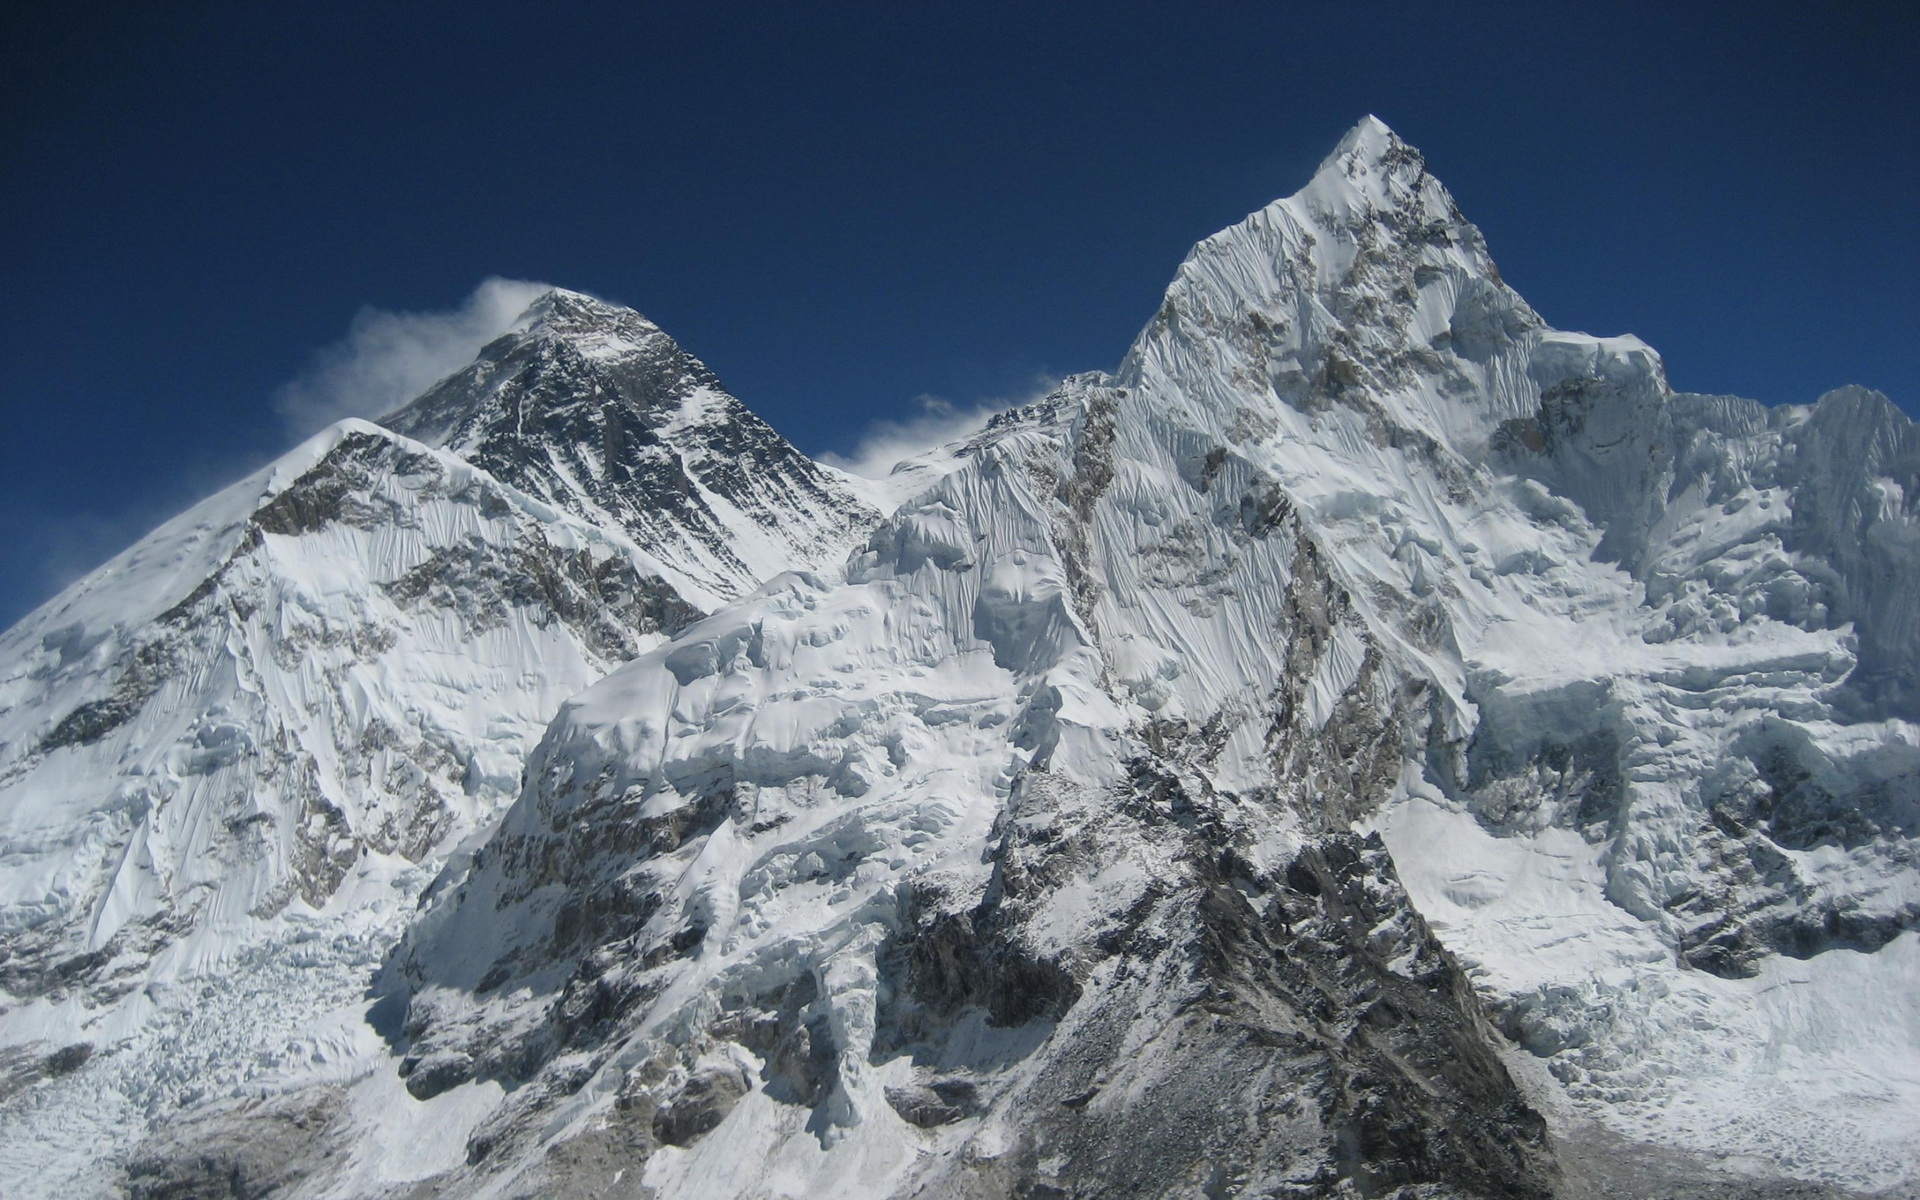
x=1359 y=743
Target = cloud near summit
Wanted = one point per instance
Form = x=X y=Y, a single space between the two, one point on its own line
x=388 y=358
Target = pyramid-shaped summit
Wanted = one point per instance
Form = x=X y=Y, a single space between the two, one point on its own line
x=1365 y=282
x=593 y=408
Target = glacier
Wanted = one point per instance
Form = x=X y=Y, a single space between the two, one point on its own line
x=1370 y=743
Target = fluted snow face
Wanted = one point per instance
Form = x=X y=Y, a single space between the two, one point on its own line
x=353 y=652
x=1365 y=281
x=1678 y=630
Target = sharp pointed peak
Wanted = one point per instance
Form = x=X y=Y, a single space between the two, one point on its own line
x=1370 y=145
x=559 y=334
x=564 y=311
x=1368 y=133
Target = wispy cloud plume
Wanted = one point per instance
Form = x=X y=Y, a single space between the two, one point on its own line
x=936 y=421
x=388 y=358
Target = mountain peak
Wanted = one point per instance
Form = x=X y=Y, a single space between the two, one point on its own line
x=557 y=354
x=1338 y=286
x=577 y=316
x=1373 y=161
x=593 y=408
x=564 y=304
x=1369 y=138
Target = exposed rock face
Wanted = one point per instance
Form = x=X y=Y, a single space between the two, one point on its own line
x=239 y=1152
x=591 y=407
x=1235 y=1034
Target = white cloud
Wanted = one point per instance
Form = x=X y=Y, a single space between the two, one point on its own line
x=388 y=358
x=888 y=442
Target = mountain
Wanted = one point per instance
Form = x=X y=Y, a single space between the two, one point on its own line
x=595 y=410
x=1369 y=744
x=1020 y=855
x=252 y=739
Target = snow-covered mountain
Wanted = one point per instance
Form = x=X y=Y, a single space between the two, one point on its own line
x=1372 y=743
x=257 y=734
x=593 y=409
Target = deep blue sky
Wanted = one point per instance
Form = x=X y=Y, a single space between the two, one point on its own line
x=843 y=211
